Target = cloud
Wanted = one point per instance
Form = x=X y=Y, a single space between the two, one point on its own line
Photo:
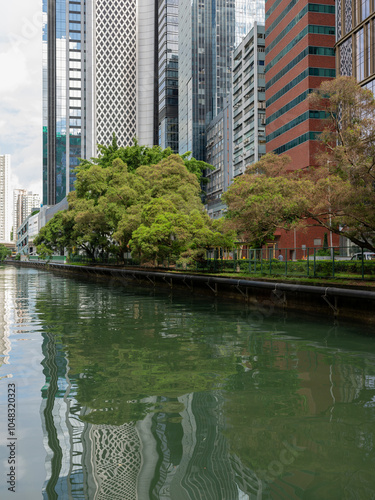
x=21 y=91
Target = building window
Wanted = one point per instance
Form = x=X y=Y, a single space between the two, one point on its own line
x=360 y=60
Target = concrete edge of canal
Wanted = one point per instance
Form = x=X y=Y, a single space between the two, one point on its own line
x=338 y=303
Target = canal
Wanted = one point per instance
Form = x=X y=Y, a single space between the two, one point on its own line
x=126 y=393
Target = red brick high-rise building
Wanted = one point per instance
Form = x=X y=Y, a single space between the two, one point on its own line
x=300 y=38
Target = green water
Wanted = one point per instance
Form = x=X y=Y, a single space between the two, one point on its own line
x=131 y=393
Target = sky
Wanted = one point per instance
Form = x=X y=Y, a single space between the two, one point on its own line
x=21 y=91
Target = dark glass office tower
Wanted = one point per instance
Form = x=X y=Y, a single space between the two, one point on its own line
x=208 y=33
x=63 y=83
x=168 y=73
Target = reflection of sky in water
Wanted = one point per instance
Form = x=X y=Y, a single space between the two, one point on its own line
x=134 y=394
x=19 y=321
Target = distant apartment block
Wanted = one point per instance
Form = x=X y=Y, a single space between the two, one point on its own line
x=219 y=155
x=236 y=136
x=23 y=204
x=5 y=201
x=249 y=101
x=300 y=39
x=355 y=49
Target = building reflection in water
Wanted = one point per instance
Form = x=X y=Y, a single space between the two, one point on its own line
x=180 y=451
x=5 y=321
x=202 y=445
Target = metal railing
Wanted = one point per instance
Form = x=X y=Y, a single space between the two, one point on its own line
x=335 y=262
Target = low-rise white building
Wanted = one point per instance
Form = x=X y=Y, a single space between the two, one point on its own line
x=26 y=234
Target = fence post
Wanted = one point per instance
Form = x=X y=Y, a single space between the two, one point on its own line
x=270 y=250
x=363 y=266
x=255 y=261
x=286 y=262
x=333 y=262
x=314 y=262
x=261 y=261
x=249 y=260
x=308 y=262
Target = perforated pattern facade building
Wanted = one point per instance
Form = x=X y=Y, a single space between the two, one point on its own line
x=115 y=76
x=355 y=35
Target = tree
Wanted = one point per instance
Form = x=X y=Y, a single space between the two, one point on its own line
x=265 y=199
x=338 y=194
x=155 y=210
x=4 y=252
x=136 y=156
x=349 y=159
x=174 y=222
x=55 y=235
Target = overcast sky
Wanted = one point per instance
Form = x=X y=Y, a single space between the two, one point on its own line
x=21 y=91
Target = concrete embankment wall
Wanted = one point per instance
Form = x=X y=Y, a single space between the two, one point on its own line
x=338 y=303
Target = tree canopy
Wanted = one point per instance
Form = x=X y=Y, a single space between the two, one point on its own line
x=154 y=209
x=136 y=155
x=337 y=193
x=4 y=252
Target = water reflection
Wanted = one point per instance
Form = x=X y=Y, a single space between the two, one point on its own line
x=152 y=397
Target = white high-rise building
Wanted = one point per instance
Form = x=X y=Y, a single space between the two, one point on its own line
x=5 y=200
x=17 y=210
x=23 y=204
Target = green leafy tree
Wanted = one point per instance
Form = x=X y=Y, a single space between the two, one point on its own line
x=4 y=252
x=155 y=210
x=264 y=199
x=55 y=235
x=44 y=252
x=337 y=195
x=136 y=156
x=173 y=222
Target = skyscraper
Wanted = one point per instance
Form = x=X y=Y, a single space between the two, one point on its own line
x=23 y=204
x=208 y=34
x=355 y=49
x=236 y=136
x=66 y=70
x=299 y=56
x=98 y=79
x=5 y=203
x=168 y=74
x=249 y=102
x=300 y=38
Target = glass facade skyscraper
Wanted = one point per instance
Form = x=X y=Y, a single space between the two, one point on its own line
x=209 y=32
x=168 y=73
x=63 y=95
